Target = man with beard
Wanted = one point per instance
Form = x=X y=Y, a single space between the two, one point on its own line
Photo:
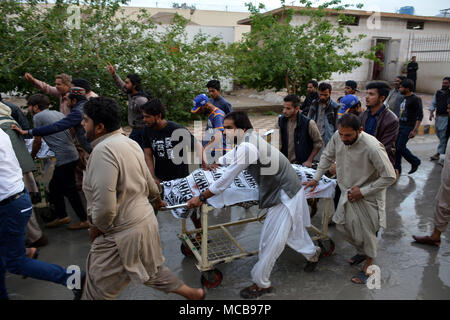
x=124 y=230
x=136 y=98
x=300 y=139
x=324 y=112
x=361 y=210
x=440 y=102
x=395 y=98
x=310 y=97
x=378 y=120
x=280 y=190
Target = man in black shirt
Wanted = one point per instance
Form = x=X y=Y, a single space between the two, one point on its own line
x=412 y=71
x=411 y=115
x=164 y=145
x=310 y=97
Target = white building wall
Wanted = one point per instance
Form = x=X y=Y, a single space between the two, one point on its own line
x=390 y=29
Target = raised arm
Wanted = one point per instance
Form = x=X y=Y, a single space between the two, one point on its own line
x=41 y=85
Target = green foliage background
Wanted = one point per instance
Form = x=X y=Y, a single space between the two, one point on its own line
x=278 y=53
x=38 y=39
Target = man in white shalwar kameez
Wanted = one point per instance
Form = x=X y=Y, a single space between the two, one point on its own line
x=364 y=172
x=280 y=191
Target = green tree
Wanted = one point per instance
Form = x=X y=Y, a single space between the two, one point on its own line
x=277 y=54
x=43 y=39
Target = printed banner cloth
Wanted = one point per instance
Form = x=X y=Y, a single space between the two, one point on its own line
x=243 y=191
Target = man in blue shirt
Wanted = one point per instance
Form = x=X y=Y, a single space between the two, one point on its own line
x=216 y=99
x=214 y=144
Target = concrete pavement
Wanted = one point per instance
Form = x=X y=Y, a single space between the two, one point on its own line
x=408 y=270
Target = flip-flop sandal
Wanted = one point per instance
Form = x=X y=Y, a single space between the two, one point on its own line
x=362 y=277
x=357 y=259
x=253 y=292
x=426 y=240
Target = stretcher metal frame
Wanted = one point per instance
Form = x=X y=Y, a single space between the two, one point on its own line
x=204 y=249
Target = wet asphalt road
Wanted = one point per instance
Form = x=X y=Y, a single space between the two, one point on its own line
x=408 y=270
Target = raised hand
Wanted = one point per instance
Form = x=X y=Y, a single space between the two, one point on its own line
x=111 y=69
x=28 y=76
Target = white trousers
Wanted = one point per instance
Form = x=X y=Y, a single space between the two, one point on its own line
x=285 y=223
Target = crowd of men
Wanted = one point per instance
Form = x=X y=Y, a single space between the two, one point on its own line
x=120 y=175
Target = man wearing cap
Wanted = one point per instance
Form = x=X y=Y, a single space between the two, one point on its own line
x=349 y=104
x=83 y=83
x=351 y=87
x=214 y=144
x=378 y=120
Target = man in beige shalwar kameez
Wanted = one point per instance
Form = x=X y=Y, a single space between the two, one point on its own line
x=124 y=230
x=364 y=172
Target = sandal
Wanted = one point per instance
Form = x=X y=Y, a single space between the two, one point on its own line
x=253 y=291
x=426 y=240
x=362 y=277
x=357 y=259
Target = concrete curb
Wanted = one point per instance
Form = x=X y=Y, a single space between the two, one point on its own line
x=426 y=129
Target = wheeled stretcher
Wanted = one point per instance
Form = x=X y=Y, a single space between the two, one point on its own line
x=211 y=245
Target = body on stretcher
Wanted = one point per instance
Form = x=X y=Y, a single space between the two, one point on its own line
x=215 y=244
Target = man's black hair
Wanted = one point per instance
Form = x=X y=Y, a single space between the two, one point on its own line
x=314 y=83
x=401 y=78
x=215 y=84
x=325 y=86
x=40 y=100
x=408 y=84
x=82 y=83
x=382 y=88
x=293 y=98
x=349 y=120
x=135 y=80
x=240 y=119
x=446 y=78
x=103 y=110
x=154 y=107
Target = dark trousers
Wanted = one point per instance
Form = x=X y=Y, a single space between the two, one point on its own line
x=63 y=185
x=14 y=217
x=402 y=150
x=138 y=136
x=414 y=79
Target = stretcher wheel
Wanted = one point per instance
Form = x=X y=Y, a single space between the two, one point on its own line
x=211 y=279
x=327 y=247
x=185 y=250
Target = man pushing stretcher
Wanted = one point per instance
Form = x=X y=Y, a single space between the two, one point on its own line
x=280 y=190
